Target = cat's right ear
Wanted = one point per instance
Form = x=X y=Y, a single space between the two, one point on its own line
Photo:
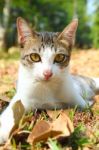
x=24 y=31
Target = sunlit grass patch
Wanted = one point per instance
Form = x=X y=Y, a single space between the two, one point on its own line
x=11 y=55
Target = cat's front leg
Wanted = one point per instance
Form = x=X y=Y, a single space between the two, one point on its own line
x=79 y=101
x=7 y=120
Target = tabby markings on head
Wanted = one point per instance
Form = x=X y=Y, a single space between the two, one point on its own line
x=38 y=42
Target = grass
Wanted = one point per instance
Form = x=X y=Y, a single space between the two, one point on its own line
x=54 y=145
x=13 y=55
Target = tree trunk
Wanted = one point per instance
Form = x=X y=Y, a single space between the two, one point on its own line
x=75 y=15
x=4 y=24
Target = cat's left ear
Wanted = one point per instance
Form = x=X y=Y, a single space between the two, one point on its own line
x=68 y=34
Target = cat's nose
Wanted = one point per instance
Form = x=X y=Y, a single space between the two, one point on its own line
x=47 y=74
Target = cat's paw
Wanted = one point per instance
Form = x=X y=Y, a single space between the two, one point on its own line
x=6 y=125
x=3 y=135
x=5 y=130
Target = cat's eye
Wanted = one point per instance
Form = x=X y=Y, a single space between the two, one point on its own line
x=35 y=57
x=60 y=58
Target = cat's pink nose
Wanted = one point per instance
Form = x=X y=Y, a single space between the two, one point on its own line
x=47 y=74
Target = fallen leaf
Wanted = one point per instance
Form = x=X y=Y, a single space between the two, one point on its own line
x=43 y=130
x=86 y=148
x=6 y=146
x=64 y=124
x=53 y=114
x=4 y=98
x=18 y=111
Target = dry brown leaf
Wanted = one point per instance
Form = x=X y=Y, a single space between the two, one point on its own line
x=68 y=148
x=53 y=114
x=18 y=111
x=63 y=124
x=86 y=148
x=7 y=146
x=4 y=98
x=61 y=127
x=41 y=131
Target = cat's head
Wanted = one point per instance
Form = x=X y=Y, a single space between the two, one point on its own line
x=46 y=54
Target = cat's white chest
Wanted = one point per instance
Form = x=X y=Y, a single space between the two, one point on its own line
x=35 y=94
x=46 y=92
x=38 y=94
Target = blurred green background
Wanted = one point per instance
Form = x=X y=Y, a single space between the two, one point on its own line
x=51 y=15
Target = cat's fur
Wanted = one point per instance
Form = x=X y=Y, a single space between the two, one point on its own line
x=55 y=91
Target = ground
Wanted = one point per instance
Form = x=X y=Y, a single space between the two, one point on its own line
x=83 y=62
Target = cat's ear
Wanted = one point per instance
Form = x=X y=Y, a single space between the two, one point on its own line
x=24 y=31
x=68 y=34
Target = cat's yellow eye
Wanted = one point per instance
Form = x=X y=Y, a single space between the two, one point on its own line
x=35 y=57
x=59 y=58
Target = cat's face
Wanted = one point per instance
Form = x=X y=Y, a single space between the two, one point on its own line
x=46 y=55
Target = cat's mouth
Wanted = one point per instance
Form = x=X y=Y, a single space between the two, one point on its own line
x=43 y=79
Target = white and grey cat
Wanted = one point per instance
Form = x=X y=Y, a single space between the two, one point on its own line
x=44 y=80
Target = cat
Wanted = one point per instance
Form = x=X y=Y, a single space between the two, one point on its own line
x=44 y=80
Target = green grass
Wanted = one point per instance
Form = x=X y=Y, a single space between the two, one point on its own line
x=7 y=56
x=54 y=145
